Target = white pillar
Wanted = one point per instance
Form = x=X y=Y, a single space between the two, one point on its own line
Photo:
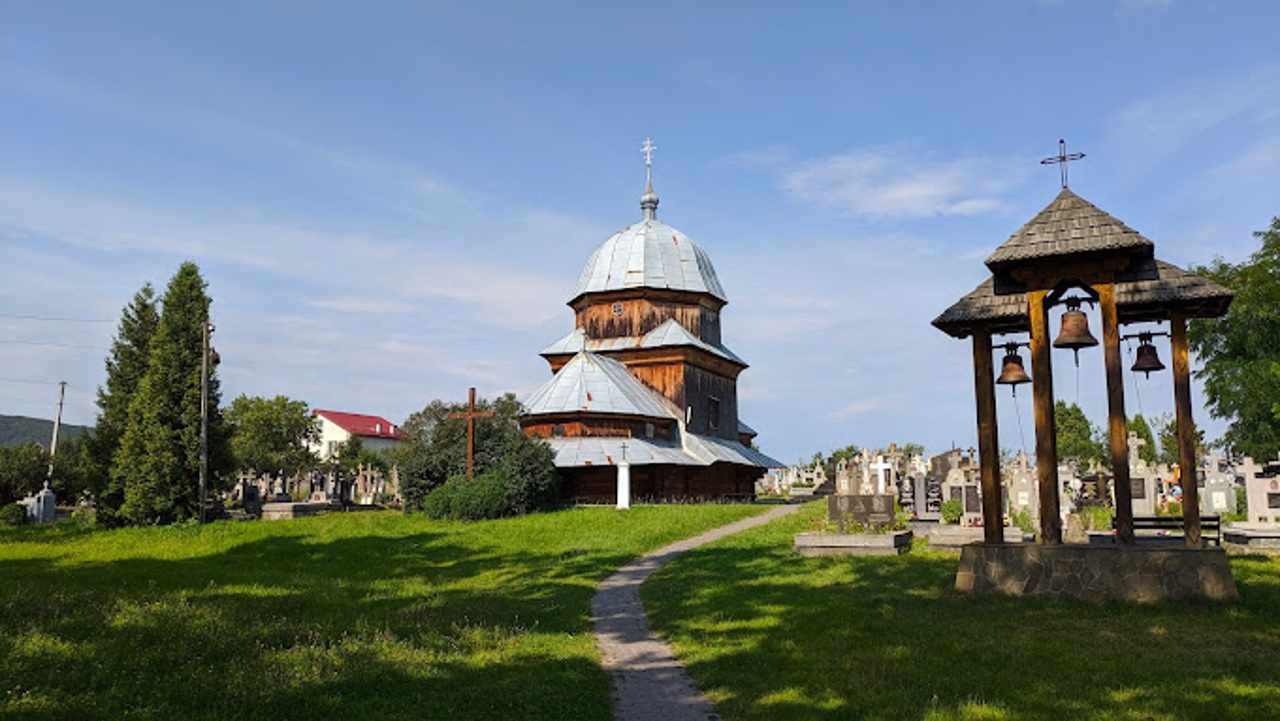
x=624 y=484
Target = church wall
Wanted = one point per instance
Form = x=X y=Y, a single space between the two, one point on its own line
x=700 y=387
x=599 y=427
x=666 y=378
x=598 y=484
x=639 y=315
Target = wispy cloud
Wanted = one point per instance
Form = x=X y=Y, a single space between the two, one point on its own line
x=897 y=183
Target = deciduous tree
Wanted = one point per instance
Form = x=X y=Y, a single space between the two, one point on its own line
x=270 y=435
x=1239 y=351
x=1077 y=437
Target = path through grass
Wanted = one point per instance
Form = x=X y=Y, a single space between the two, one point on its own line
x=771 y=635
x=363 y=615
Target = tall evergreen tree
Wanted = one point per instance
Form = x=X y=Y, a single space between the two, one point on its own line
x=158 y=463
x=130 y=354
x=1147 y=452
x=1077 y=437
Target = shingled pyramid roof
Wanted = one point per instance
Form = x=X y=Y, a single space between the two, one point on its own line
x=1147 y=295
x=1070 y=225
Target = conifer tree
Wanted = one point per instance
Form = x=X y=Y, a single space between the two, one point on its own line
x=130 y=354
x=158 y=462
x=1148 y=451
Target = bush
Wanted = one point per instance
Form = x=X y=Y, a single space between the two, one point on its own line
x=488 y=495
x=438 y=503
x=13 y=514
x=485 y=496
x=1096 y=518
x=952 y=510
x=1022 y=519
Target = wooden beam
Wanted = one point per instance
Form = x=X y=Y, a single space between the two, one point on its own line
x=1186 y=429
x=1046 y=430
x=1117 y=423
x=988 y=438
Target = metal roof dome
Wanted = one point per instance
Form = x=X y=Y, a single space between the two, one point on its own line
x=649 y=254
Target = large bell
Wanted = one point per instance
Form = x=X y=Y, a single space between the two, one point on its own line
x=1013 y=371
x=1075 y=329
x=1147 y=359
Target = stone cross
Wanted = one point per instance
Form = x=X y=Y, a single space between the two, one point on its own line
x=880 y=466
x=471 y=415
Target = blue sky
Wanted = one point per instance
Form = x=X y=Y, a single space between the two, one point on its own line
x=392 y=201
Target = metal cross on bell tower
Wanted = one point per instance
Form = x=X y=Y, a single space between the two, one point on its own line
x=1061 y=159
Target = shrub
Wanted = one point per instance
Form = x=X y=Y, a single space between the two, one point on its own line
x=485 y=496
x=1022 y=519
x=438 y=503
x=1096 y=518
x=13 y=514
x=1172 y=508
x=952 y=510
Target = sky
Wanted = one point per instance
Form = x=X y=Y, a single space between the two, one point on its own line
x=392 y=201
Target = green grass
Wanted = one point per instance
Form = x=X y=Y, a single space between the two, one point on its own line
x=771 y=635
x=363 y=615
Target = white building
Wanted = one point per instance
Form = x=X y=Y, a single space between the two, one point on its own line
x=336 y=427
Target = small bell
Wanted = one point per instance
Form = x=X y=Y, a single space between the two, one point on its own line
x=1147 y=359
x=1013 y=371
x=1075 y=330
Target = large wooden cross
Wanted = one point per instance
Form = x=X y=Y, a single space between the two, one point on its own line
x=471 y=415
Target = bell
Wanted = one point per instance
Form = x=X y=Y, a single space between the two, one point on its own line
x=1013 y=372
x=1147 y=359
x=1075 y=329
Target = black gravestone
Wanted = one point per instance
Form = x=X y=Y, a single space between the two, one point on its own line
x=932 y=495
x=869 y=509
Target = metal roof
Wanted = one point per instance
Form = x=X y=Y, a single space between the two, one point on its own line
x=574 y=452
x=1147 y=295
x=1070 y=225
x=595 y=384
x=670 y=333
x=649 y=254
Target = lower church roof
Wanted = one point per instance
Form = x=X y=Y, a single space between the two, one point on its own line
x=696 y=450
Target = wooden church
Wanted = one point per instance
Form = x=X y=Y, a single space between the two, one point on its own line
x=645 y=377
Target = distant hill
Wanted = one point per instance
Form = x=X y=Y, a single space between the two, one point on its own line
x=16 y=430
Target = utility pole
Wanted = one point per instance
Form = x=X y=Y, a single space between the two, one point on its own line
x=57 y=422
x=204 y=416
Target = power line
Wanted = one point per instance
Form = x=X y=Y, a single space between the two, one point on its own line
x=27 y=380
x=57 y=319
x=55 y=344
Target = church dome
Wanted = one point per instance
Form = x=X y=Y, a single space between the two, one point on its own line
x=649 y=254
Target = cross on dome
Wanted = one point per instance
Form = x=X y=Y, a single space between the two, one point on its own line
x=648 y=201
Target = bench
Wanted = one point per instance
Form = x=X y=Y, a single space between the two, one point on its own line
x=1174 y=523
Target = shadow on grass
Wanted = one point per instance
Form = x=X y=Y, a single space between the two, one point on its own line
x=288 y=627
x=769 y=634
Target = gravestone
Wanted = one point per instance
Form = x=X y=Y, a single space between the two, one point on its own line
x=932 y=495
x=872 y=509
x=42 y=507
x=907 y=494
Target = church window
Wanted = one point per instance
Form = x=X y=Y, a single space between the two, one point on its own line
x=617 y=309
x=648 y=430
x=557 y=430
x=713 y=413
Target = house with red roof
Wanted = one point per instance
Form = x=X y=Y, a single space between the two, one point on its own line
x=336 y=427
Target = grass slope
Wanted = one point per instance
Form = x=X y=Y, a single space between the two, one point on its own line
x=771 y=635
x=363 y=615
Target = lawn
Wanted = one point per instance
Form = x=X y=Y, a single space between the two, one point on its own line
x=362 y=615
x=771 y=635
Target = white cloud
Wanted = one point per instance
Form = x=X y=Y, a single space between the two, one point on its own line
x=348 y=304
x=895 y=183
